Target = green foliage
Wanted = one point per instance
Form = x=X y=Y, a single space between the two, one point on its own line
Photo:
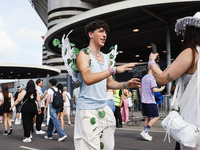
x=60 y=46
x=111 y=56
x=56 y=42
x=74 y=67
x=76 y=51
x=112 y=47
x=85 y=50
x=101 y=145
x=72 y=44
x=90 y=63
x=69 y=61
x=66 y=51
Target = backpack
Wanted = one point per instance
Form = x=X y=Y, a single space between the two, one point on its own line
x=57 y=99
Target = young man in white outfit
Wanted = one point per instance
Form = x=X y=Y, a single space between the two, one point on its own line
x=67 y=104
x=94 y=120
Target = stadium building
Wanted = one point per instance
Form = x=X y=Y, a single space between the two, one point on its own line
x=135 y=24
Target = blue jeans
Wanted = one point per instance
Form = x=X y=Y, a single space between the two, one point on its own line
x=54 y=122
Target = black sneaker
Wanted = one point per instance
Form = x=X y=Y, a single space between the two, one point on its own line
x=10 y=132
x=5 y=133
x=55 y=132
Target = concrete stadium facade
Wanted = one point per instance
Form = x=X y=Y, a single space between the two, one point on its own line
x=154 y=18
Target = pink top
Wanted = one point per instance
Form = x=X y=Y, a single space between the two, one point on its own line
x=148 y=82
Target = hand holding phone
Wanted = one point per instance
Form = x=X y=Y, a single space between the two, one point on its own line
x=154 y=48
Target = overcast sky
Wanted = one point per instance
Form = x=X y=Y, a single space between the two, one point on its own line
x=20 y=33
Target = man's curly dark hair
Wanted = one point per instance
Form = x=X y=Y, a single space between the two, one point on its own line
x=96 y=24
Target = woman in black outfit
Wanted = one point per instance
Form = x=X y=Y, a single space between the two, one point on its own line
x=6 y=102
x=29 y=108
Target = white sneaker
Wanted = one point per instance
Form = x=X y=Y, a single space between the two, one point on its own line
x=27 y=140
x=150 y=136
x=40 y=132
x=62 y=138
x=43 y=125
x=48 y=138
x=146 y=136
x=69 y=122
x=17 y=122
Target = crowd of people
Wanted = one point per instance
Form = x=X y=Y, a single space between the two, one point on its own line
x=30 y=107
x=101 y=102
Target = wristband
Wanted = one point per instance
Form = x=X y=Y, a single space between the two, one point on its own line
x=113 y=70
x=151 y=62
x=123 y=85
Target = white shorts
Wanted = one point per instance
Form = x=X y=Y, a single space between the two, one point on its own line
x=87 y=135
x=67 y=110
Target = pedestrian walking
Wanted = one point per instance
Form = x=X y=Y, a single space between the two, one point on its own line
x=149 y=106
x=6 y=102
x=53 y=113
x=28 y=108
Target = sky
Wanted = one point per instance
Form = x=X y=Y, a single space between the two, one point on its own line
x=20 y=33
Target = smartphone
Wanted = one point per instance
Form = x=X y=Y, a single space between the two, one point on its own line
x=154 y=48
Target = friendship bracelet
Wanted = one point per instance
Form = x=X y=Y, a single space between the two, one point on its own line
x=113 y=70
x=123 y=85
x=151 y=62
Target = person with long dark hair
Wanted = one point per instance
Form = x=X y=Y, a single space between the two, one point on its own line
x=6 y=102
x=186 y=68
x=28 y=108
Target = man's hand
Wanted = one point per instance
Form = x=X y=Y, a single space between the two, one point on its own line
x=134 y=82
x=126 y=67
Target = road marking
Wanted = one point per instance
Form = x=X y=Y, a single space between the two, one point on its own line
x=24 y=147
x=141 y=130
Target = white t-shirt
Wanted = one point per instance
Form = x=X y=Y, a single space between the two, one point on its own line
x=76 y=93
x=68 y=98
x=39 y=90
x=109 y=95
x=50 y=92
x=1 y=97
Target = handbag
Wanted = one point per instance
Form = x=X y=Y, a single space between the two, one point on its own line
x=130 y=103
x=158 y=97
x=174 y=124
x=20 y=107
x=183 y=132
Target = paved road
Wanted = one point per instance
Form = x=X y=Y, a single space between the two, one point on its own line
x=127 y=138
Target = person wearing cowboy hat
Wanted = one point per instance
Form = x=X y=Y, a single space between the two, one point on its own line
x=184 y=67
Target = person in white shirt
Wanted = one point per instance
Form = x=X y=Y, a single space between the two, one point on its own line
x=54 y=122
x=67 y=104
x=76 y=93
x=40 y=117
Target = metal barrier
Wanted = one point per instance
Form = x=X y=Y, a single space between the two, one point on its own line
x=164 y=107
